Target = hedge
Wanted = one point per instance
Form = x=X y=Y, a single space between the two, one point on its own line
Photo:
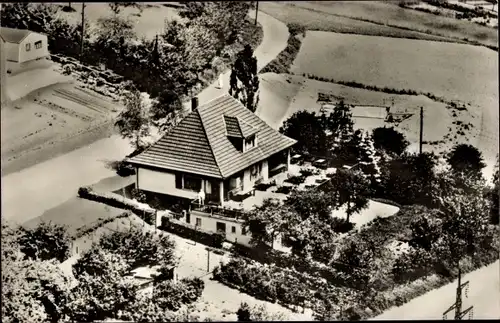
x=115 y=200
x=187 y=231
x=80 y=232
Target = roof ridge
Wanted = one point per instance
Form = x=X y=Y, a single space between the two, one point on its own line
x=208 y=140
x=204 y=105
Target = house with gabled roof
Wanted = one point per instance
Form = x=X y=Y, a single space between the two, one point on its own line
x=22 y=45
x=220 y=148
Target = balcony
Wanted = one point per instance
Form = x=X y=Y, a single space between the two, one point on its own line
x=218 y=211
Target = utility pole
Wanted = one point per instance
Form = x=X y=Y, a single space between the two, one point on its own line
x=459 y=314
x=83 y=32
x=256 y=12
x=421 y=127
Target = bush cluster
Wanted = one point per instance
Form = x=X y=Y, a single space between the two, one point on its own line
x=296 y=180
x=115 y=200
x=275 y=284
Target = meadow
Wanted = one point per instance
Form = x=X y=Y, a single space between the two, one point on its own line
x=380 y=18
x=454 y=71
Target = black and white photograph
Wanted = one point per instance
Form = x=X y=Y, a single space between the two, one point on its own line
x=201 y=161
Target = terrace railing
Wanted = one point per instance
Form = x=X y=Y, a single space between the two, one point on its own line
x=215 y=210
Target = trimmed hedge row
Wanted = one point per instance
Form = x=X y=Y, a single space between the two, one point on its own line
x=376 y=88
x=282 y=63
x=101 y=222
x=186 y=231
x=115 y=200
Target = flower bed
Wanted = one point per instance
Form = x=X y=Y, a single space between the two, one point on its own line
x=144 y=212
x=296 y=180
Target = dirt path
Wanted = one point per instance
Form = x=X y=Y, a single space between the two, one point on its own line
x=30 y=192
x=483 y=294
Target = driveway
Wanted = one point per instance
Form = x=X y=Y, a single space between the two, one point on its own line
x=34 y=190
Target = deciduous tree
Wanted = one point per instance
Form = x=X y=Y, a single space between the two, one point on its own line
x=389 y=140
x=244 y=81
x=46 y=241
x=466 y=160
x=350 y=189
x=268 y=220
x=133 y=122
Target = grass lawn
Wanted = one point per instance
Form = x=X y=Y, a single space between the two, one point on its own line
x=379 y=19
x=76 y=213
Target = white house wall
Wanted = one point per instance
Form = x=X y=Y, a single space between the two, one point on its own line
x=209 y=223
x=33 y=53
x=12 y=52
x=161 y=182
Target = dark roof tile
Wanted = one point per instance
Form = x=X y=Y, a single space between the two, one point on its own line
x=200 y=143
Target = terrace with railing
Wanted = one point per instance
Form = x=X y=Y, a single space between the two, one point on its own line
x=217 y=211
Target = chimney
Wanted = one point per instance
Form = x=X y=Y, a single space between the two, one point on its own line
x=194 y=103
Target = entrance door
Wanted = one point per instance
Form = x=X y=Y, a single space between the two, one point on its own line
x=188 y=217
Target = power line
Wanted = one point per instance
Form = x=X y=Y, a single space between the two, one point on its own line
x=457 y=306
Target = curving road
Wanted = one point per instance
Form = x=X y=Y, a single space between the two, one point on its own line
x=34 y=190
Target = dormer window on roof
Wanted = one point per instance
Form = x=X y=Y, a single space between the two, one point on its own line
x=241 y=134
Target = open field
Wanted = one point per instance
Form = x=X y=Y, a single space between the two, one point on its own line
x=48 y=117
x=454 y=71
x=379 y=18
x=298 y=93
x=147 y=24
x=421 y=66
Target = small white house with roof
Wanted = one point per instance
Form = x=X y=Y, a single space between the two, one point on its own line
x=22 y=45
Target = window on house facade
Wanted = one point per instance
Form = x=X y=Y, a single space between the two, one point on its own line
x=233 y=229
x=243 y=230
x=198 y=222
x=192 y=182
x=249 y=143
x=178 y=181
x=38 y=44
x=221 y=227
x=188 y=182
x=28 y=47
x=255 y=171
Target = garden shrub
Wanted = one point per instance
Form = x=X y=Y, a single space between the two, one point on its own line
x=141 y=248
x=284 y=189
x=296 y=180
x=341 y=225
x=139 y=195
